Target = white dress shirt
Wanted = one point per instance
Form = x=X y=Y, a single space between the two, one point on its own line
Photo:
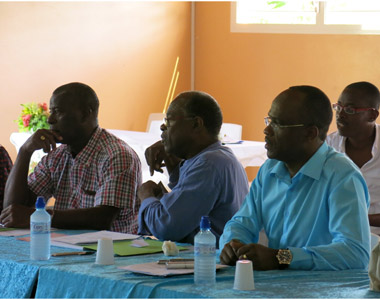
x=370 y=170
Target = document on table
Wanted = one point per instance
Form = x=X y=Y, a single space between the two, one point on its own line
x=127 y=248
x=155 y=269
x=93 y=237
x=4 y=231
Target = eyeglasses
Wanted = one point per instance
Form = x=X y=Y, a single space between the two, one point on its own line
x=350 y=110
x=268 y=121
x=167 y=121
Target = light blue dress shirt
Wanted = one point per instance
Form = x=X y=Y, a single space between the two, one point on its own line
x=213 y=183
x=320 y=214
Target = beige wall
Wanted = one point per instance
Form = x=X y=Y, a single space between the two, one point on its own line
x=246 y=71
x=126 y=51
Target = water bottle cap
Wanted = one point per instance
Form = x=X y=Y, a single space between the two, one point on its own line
x=40 y=203
x=205 y=223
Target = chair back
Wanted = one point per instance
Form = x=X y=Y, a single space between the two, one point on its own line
x=230 y=132
x=154 y=123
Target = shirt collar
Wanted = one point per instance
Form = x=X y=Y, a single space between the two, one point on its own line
x=213 y=146
x=312 y=168
x=375 y=148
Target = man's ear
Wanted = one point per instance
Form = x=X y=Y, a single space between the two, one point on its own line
x=86 y=114
x=198 y=123
x=373 y=116
x=312 y=132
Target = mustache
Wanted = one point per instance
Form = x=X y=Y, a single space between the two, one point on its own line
x=341 y=121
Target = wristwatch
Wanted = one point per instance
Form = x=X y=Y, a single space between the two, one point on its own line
x=284 y=257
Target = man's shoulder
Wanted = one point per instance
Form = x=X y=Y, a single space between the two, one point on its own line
x=338 y=163
x=218 y=156
x=113 y=145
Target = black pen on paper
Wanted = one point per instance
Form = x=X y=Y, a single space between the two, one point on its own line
x=72 y=253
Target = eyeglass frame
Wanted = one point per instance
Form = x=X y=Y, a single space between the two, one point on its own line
x=267 y=121
x=355 y=110
x=167 y=120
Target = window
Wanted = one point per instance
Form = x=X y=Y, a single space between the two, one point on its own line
x=301 y=16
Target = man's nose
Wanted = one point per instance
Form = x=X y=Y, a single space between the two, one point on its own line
x=268 y=130
x=51 y=119
x=341 y=113
x=163 y=127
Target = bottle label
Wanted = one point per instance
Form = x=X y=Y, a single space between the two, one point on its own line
x=204 y=250
x=39 y=227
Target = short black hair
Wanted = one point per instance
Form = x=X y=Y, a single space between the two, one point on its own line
x=317 y=107
x=368 y=90
x=201 y=104
x=83 y=95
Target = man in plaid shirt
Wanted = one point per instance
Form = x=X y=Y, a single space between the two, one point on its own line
x=5 y=167
x=93 y=175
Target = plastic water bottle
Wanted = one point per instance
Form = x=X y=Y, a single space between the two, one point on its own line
x=204 y=254
x=40 y=232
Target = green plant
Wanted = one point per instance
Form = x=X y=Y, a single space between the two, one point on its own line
x=33 y=117
x=276 y=4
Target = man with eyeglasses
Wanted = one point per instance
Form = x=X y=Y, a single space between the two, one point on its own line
x=205 y=177
x=358 y=136
x=311 y=200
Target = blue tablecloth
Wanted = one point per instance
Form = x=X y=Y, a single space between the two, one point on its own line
x=18 y=273
x=87 y=280
x=80 y=277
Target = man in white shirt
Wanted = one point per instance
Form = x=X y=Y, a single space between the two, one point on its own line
x=358 y=136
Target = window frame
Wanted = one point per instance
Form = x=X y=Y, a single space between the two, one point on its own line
x=318 y=28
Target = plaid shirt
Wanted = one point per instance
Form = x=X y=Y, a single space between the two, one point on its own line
x=5 y=168
x=106 y=172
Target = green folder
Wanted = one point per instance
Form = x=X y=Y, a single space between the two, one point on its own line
x=124 y=248
x=6 y=229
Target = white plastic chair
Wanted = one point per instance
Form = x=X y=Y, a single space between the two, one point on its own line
x=154 y=123
x=230 y=132
x=374 y=240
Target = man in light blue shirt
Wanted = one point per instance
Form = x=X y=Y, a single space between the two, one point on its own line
x=205 y=177
x=311 y=201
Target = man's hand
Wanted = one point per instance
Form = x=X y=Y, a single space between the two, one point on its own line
x=155 y=156
x=16 y=215
x=149 y=189
x=263 y=258
x=229 y=255
x=42 y=139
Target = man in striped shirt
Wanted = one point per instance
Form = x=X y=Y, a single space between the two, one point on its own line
x=93 y=175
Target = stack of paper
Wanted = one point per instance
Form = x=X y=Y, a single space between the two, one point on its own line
x=78 y=240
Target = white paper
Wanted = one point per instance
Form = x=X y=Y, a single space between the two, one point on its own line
x=65 y=245
x=139 y=244
x=93 y=237
x=155 y=269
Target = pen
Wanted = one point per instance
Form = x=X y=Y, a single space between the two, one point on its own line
x=177 y=265
x=72 y=253
x=175 y=260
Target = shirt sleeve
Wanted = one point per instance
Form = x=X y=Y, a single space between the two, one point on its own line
x=178 y=213
x=349 y=227
x=246 y=224
x=5 y=168
x=40 y=181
